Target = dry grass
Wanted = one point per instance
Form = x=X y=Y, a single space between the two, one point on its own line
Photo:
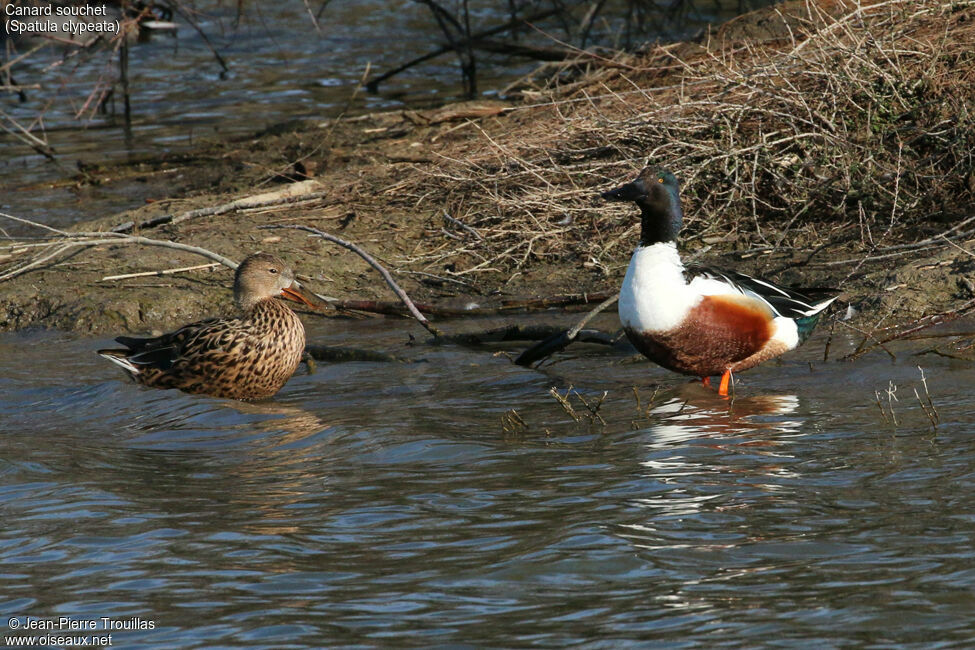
x=838 y=148
x=854 y=127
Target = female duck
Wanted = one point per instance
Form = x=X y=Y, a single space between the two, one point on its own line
x=694 y=320
x=247 y=358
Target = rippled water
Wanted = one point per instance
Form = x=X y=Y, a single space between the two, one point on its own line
x=376 y=504
x=280 y=68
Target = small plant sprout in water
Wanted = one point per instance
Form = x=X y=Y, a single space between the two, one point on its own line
x=891 y=394
x=592 y=408
x=886 y=398
x=926 y=404
x=512 y=423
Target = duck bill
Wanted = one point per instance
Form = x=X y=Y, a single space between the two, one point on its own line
x=298 y=293
x=629 y=192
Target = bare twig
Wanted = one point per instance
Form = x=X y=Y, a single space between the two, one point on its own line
x=561 y=340
x=292 y=194
x=461 y=224
x=420 y=318
x=918 y=325
x=66 y=240
x=145 y=274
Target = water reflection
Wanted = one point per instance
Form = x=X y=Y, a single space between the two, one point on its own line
x=696 y=448
x=372 y=502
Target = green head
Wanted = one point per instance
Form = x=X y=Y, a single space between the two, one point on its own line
x=657 y=193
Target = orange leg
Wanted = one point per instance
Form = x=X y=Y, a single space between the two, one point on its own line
x=725 y=380
x=706 y=381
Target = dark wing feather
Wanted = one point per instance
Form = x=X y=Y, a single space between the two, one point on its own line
x=783 y=301
x=162 y=351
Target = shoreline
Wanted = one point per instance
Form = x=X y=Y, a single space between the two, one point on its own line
x=487 y=201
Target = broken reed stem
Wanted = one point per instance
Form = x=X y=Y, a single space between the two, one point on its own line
x=145 y=274
x=67 y=240
x=420 y=318
x=511 y=422
x=560 y=341
x=564 y=401
x=927 y=406
x=593 y=408
x=891 y=398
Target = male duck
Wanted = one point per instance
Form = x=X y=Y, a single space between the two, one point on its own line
x=246 y=358
x=694 y=320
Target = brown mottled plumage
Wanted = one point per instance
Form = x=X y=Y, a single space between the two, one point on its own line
x=247 y=358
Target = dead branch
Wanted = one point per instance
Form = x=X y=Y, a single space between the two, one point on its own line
x=295 y=193
x=561 y=340
x=63 y=241
x=507 y=307
x=509 y=333
x=917 y=326
x=420 y=318
x=333 y=354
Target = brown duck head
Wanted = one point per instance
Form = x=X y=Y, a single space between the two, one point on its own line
x=262 y=276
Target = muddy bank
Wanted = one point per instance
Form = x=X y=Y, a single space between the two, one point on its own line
x=819 y=144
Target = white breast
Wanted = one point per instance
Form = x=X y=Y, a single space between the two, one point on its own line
x=655 y=297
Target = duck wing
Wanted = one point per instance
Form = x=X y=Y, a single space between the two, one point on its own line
x=783 y=301
x=162 y=352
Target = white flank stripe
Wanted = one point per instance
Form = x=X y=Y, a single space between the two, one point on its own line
x=772 y=287
x=786 y=332
x=818 y=307
x=122 y=361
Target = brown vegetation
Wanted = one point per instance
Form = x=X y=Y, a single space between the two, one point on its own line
x=854 y=129
x=819 y=142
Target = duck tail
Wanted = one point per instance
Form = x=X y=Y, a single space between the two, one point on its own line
x=121 y=359
x=806 y=323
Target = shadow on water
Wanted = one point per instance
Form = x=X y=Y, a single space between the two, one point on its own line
x=372 y=503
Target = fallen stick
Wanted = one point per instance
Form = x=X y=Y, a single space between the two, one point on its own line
x=527 y=333
x=420 y=318
x=68 y=240
x=346 y=355
x=145 y=274
x=561 y=340
x=37 y=262
x=295 y=193
x=536 y=304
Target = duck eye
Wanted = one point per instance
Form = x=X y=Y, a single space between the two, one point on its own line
x=272 y=270
x=660 y=180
